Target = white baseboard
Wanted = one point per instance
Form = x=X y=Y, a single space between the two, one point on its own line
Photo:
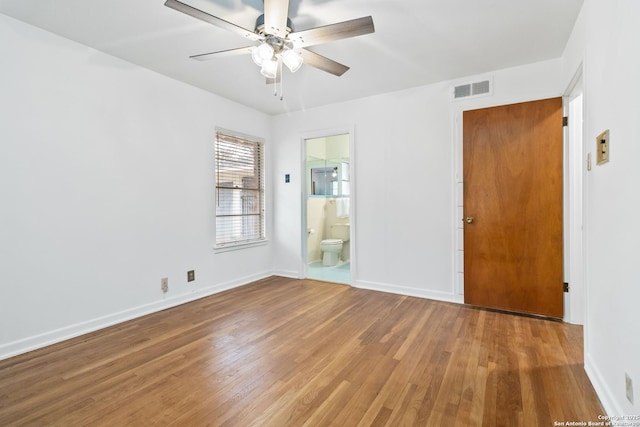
x=291 y=274
x=57 y=335
x=607 y=399
x=412 y=292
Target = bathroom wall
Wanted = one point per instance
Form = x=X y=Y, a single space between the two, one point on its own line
x=330 y=219
x=321 y=214
x=316 y=221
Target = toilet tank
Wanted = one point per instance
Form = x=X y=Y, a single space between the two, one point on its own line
x=340 y=231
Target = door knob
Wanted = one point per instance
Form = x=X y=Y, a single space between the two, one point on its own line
x=469 y=219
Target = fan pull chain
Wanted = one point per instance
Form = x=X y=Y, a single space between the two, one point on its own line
x=281 y=82
x=275 y=83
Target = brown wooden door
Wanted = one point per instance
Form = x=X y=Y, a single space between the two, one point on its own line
x=513 y=207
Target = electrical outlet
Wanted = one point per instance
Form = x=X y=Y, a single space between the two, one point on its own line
x=191 y=275
x=629 y=385
x=164 y=284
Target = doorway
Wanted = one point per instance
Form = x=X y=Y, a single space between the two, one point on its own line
x=513 y=201
x=327 y=243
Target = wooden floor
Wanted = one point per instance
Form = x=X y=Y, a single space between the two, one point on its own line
x=283 y=352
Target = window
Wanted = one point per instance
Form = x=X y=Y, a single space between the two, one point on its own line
x=239 y=190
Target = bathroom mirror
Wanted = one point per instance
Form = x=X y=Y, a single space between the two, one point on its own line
x=330 y=179
x=324 y=181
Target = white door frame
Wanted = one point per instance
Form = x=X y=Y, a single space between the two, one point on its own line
x=576 y=154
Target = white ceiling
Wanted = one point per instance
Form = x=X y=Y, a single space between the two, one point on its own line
x=416 y=42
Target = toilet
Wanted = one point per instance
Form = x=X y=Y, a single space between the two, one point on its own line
x=332 y=248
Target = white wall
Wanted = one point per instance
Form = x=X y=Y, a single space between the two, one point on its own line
x=605 y=39
x=407 y=150
x=106 y=186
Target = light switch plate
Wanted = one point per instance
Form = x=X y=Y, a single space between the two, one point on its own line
x=602 y=147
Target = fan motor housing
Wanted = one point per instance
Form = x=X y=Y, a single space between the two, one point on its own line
x=260 y=25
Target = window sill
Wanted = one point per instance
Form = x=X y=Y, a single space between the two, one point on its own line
x=238 y=246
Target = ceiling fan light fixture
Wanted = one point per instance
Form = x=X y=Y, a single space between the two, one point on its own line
x=277 y=39
x=292 y=60
x=262 y=53
x=269 y=68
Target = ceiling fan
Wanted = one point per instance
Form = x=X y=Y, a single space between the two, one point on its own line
x=278 y=42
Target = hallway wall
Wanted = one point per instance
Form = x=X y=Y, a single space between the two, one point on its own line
x=611 y=67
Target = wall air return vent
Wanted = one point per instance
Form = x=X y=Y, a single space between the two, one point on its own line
x=462 y=91
x=473 y=90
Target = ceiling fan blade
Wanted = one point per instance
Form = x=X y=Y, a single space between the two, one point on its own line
x=323 y=63
x=341 y=30
x=230 y=52
x=204 y=16
x=275 y=17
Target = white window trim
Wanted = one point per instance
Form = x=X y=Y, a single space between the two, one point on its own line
x=238 y=246
x=234 y=246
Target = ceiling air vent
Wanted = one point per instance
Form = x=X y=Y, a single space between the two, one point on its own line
x=472 y=90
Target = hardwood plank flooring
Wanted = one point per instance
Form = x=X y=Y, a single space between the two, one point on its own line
x=284 y=352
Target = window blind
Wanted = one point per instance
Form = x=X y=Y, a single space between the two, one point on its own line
x=239 y=190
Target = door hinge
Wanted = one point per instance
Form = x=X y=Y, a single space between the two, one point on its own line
x=566 y=287
x=565 y=121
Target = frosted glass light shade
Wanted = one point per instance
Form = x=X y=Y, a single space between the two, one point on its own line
x=292 y=60
x=262 y=53
x=269 y=68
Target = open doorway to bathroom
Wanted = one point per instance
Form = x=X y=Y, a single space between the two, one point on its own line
x=327 y=199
